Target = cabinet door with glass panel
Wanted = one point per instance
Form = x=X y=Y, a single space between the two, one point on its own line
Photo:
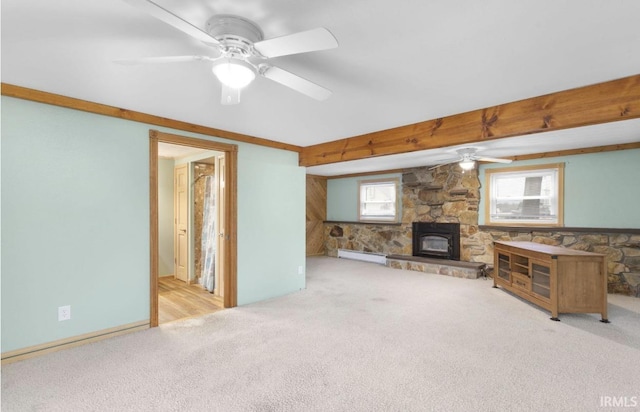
x=503 y=267
x=541 y=279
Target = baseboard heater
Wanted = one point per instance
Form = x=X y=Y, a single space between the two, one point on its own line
x=364 y=256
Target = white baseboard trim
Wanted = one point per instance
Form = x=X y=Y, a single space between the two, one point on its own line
x=37 y=350
x=364 y=256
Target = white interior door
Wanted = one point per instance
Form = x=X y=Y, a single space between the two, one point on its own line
x=181 y=227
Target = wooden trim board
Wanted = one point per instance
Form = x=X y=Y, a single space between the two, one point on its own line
x=103 y=109
x=572 y=152
x=362 y=174
x=411 y=137
x=37 y=350
x=231 y=219
x=153 y=229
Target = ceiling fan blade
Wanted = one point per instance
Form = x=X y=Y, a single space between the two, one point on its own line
x=444 y=164
x=229 y=95
x=163 y=59
x=295 y=82
x=493 y=159
x=171 y=19
x=302 y=42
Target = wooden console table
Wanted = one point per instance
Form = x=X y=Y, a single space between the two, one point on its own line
x=557 y=279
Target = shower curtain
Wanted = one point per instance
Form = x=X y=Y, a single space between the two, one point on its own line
x=207 y=277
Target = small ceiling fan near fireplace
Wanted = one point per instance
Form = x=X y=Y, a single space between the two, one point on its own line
x=241 y=52
x=467 y=157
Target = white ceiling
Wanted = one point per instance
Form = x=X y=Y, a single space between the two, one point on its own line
x=398 y=63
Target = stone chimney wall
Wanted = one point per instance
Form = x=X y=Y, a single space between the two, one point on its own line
x=444 y=195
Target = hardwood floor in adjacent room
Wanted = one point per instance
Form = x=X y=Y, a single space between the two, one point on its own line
x=177 y=300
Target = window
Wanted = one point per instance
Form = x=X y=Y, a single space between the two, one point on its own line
x=378 y=200
x=522 y=196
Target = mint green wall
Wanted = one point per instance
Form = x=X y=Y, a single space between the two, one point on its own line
x=75 y=222
x=271 y=213
x=75 y=213
x=342 y=196
x=600 y=189
x=165 y=217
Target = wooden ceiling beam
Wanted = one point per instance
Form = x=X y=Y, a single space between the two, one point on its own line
x=600 y=103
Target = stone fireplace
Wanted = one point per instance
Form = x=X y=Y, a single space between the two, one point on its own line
x=444 y=196
x=436 y=240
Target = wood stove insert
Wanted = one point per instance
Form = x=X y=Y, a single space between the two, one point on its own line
x=436 y=240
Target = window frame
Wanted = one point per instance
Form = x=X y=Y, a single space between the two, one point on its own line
x=367 y=219
x=489 y=174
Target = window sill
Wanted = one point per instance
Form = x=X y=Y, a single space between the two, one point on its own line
x=364 y=223
x=557 y=229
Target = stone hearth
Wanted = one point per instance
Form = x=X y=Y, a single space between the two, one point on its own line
x=455 y=268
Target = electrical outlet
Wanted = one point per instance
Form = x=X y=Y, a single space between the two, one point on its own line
x=64 y=313
x=300 y=270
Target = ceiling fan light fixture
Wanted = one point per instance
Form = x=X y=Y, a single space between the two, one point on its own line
x=234 y=73
x=467 y=165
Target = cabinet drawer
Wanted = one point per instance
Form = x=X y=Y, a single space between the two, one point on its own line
x=520 y=281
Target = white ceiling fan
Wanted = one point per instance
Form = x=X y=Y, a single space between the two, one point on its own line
x=241 y=51
x=467 y=157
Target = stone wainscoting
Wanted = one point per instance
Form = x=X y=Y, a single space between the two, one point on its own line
x=387 y=239
x=448 y=195
x=622 y=249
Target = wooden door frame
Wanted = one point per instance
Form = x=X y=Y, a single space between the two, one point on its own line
x=231 y=221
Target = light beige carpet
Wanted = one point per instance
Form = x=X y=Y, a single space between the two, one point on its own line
x=361 y=337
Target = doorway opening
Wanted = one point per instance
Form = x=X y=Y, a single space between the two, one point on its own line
x=215 y=174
